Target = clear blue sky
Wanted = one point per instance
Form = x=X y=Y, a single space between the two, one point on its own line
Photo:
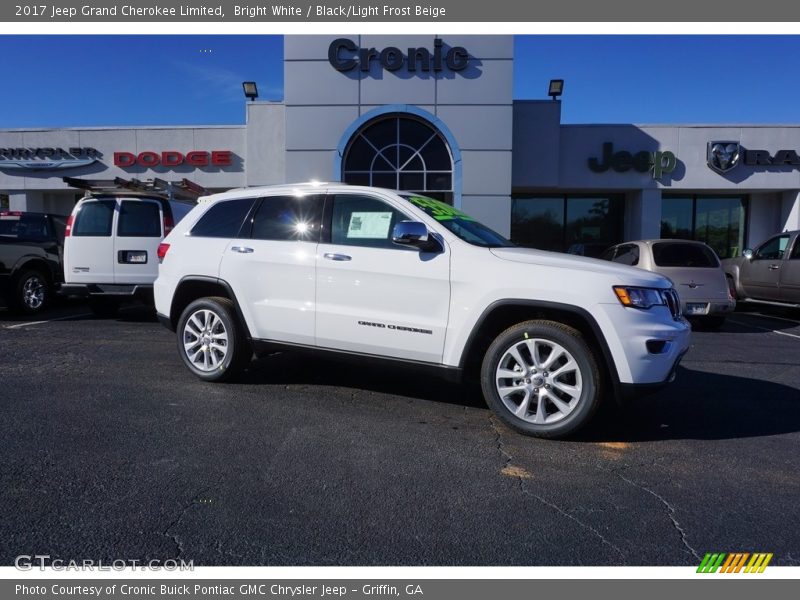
x=51 y=81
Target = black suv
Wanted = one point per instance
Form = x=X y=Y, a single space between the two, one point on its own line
x=31 y=259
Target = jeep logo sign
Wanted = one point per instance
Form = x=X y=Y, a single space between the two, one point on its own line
x=345 y=55
x=659 y=163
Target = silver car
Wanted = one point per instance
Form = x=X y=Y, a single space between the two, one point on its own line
x=693 y=267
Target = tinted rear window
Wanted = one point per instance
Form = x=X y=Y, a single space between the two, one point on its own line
x=139 y=219
x=25 y=227
x=676 y=254
x=94 y=218
x=224 y=219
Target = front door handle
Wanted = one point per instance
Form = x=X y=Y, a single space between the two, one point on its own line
x=332 y=256
x=242 y=249
x=774 y=267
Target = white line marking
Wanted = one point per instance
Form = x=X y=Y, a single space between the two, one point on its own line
x=18 y=325
x=765 y=329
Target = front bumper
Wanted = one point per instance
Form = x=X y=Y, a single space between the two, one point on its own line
x=646 y=345
x=632 y=391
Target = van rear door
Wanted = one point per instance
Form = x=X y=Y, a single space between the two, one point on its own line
x=139 y=229
x=89 y=246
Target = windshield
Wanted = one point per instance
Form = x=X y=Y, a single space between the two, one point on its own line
x=464 y=226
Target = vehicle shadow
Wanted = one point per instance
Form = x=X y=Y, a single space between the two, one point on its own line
x=775 y=314
x=698 y=405
x=702 y=406
x=301 y=368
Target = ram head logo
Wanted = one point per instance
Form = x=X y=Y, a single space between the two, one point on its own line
x=723 y=156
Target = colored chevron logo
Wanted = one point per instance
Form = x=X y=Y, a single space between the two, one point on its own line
x=734 y=562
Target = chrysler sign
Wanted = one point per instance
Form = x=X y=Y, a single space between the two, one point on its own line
x=46 y=158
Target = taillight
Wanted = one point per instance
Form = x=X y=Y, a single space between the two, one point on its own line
x=169 y=224
x=68 y=230
x=162 y=251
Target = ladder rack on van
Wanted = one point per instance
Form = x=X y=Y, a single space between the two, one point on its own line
x=184 y=189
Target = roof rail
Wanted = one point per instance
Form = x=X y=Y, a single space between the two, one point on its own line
x=170 y=190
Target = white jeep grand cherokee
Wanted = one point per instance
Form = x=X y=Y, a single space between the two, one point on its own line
x=389 y=275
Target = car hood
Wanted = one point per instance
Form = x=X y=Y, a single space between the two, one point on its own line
x=622 y=274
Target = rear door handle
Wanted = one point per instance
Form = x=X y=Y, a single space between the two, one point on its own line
x=332 y=256
x=242 y=249
x=774 y=267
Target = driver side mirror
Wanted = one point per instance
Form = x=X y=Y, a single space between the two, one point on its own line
x=748 y=254
x=414 y=234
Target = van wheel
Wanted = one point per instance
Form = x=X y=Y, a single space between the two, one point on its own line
x=105 y=308
x=31 y=293
x=211 y=340
x=542 y=379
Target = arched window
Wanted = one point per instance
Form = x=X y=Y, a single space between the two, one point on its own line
x=400 y=152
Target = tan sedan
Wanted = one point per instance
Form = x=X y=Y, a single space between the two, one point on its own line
x=692 y=266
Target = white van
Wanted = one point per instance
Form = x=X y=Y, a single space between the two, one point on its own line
x=111 y=246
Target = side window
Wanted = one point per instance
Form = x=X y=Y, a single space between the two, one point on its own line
x=289 y=218
x=627 y=255
x=364 y=221
x=94 y=219
x=224 y=219
x=773 y=249
x=796 y=249
x=139 y=218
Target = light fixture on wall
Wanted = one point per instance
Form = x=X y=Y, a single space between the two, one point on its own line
x=250 y=89
x=556 y=88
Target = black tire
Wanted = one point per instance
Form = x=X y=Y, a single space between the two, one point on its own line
x=103 y=307
x=582 y=407
x=238 y=352
x=31 y=293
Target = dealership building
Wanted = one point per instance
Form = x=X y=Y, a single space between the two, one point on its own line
x=436 y=114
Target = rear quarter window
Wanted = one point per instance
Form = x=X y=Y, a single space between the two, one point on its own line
x=224 y=219
x=94 y=219
x=675 y=254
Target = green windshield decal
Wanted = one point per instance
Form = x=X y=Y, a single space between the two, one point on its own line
x=438 y=209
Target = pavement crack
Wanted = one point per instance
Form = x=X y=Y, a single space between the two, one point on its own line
x=174 y=537
x=670 y=512
x=523 y=488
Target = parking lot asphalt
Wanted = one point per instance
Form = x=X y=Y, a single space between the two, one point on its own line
x=113 y=450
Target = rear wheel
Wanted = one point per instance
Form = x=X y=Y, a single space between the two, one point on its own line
x=732 y=287
x=31 y=292
x=542 y=379
x=211 y=340
x=104 y=307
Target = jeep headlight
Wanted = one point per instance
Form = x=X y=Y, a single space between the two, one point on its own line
x=639 y=297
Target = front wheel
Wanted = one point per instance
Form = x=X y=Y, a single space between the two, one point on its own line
x=542 y=379
x=211 y=341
